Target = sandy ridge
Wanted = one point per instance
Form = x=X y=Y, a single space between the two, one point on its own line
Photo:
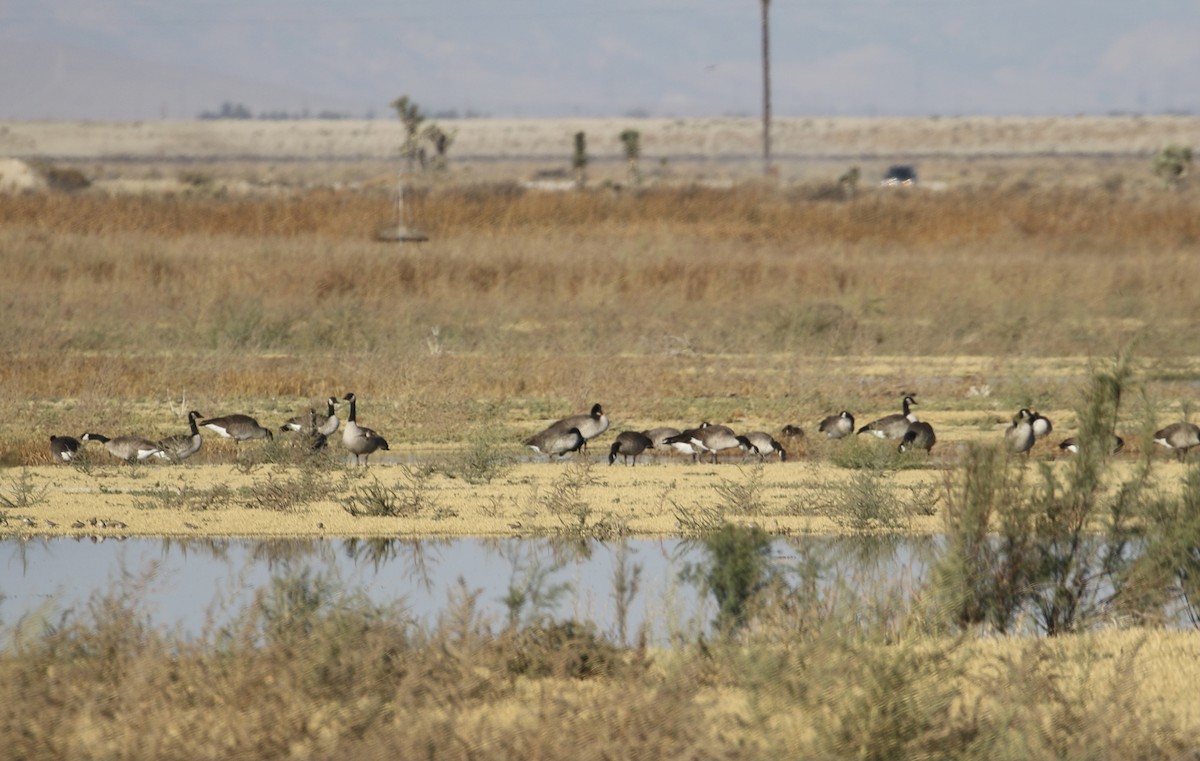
x=705 y=137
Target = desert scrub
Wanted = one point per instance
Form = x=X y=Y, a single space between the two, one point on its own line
x=411 y=495
x=1049 y=551
x=183 y=496
x=283 y=491
x=566 y=500
x=742 y=496
x=484 y=459
x=22 y=491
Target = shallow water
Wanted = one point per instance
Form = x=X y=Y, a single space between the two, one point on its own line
x=191 y=584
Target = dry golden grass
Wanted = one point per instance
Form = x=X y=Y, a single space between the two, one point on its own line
x=669 y=305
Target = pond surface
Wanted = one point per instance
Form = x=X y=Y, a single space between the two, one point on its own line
x=188 y=584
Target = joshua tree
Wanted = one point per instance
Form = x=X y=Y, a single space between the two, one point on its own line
x=1172 y=163
x=632 y=139
x=580 y=160
x=441 y=140
x=411 y=117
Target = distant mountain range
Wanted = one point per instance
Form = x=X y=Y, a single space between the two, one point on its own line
x=60 y=82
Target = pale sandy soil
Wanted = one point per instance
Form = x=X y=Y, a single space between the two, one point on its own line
x=667 y=497
x=552 y=137
x=949 y=152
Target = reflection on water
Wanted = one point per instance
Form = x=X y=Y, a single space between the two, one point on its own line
x=192 y=583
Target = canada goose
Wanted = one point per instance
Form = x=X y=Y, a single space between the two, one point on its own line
x=360 y=441
x=687 y=442
x=552 y=442
x=1071 y=445
x=629 y=444
x=183 y=445
x=237 y=427
x=658 y=437
x=1041 y=424
x=127 y=448
x=708 y=438
x=892 y=426
x=1019 y=436
x=1180 y=437
x=64 y=448
x=311 y=422
x=837 y=426
x=762 y=444
x=590 y=425
x=919 y=435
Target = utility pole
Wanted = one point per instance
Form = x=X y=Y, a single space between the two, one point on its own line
x=766 y=64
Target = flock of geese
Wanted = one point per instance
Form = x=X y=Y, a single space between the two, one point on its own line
x=360 y=441
x=572 y=433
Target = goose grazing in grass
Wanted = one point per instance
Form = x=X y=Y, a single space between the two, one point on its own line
x=314 y=423
x=318 y=428
x=892 y=426
x=237 y=427
x=1179 y=437
x=762 y=444
x=127 y=448
x=919 y=435
x=590 y=424
x=555 y=443
x=361 y=442
x=1019 y=436
x=1071 y=445
x=685 y=442
x=64 y=448
x=659 y=436
x=629 y=444
x=837 y=426
x=708 y=438
x=183 y=445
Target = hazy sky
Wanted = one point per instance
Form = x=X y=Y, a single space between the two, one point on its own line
x=175 y=58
